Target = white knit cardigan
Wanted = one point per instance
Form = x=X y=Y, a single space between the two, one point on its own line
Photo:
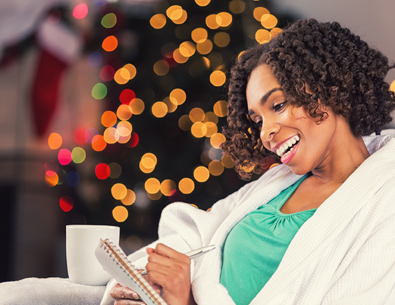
x=344 y=254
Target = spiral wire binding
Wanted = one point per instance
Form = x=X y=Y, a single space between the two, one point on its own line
x=122 y=260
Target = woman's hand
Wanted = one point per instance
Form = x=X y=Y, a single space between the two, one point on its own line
x=171 y=271
x=125 y=296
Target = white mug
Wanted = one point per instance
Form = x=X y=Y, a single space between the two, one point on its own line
x=81 y=243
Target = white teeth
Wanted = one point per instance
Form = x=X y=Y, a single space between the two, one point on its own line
x=280 y=151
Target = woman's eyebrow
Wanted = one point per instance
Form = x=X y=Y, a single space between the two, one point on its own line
x=265 y=98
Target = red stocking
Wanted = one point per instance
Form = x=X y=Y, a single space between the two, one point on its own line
x=45 y=90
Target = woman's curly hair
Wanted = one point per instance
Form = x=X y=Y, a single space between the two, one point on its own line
x=338 y=68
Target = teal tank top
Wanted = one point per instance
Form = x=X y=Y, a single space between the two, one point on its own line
x=256 y=245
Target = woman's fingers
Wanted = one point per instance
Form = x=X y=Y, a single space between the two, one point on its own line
x=121 y=293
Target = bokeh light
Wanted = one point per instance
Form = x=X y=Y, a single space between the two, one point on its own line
x=178 y=57
x=217 y=78
x=51 y=178
x=131 y=69
x=102 y=171
x=217 y=139
x=262 y=36
x=212 y=129
x=127 y=96
x=221 y=39
x=204 y=47
x=152 y=185
x=184 y=122
x=54 y=140
x=109 y=20
x=137 y=106
x=269 y=21
x=78 y=155
x=124 y=112
x=274 y=32
x=98 y=143
x=161 y=67
x=199 y=129
x=211 y=22
x=107 y=73
x=167 y=187
x=89 y=133
x=118 y=191
x=79 y=135
x=227 y=161
x=210 y=117
x=110 y=43
x=64 y=156
x=224 y=19
x=158 y=21
x=392 y=87
x=201 y=174
x=51 y=166
x=216 y=168
x=80 y=11
x=159 y=109
x=94 y=59
x=111 y=135
x=108 y=119
x=221 y=108
x=187 y=48
x=134 y=140
x=237 y=6
x=66 y=203
x=199 y=35
x=174 y=12
x=99 y=91
x=124 y=128
x=202 y=2
x=148 y=162
x=186 y=186
x=120 y=213
x=115 y=170
x=196 y=115
x=259 y=12
x=178 y=96
x=130 y=198
x=73 y=178
x=170 y=105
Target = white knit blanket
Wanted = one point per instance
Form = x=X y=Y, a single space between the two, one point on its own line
x=49 y=291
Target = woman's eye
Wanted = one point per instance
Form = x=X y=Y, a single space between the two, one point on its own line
x=279 y=106
x=258 y=124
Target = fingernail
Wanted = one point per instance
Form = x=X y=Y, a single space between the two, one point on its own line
x=136 y=296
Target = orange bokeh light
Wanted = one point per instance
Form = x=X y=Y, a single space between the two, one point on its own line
x=110 y=43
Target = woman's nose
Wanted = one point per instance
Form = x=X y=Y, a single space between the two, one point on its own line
x=268 y=131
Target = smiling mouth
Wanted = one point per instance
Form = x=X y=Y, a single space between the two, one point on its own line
x=287 y=146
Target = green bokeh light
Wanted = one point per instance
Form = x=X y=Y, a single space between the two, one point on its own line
x=109 y=20
x=99 y=91
x=78 y=155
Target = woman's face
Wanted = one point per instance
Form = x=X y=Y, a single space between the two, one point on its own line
x=287 y=130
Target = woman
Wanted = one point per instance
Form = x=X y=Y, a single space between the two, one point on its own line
x=318 y=228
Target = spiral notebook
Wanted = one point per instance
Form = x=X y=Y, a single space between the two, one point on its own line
x=116 y=263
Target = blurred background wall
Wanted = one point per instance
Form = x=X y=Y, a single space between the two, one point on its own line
x=110 y=110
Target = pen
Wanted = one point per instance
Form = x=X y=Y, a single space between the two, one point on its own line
x=192 y=254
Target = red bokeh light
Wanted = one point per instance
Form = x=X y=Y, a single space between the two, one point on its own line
x=102 y=171
x=80 y=11
x=79 y=136
x=127 y=96
x=66 y=203
x=134 y=140
x=107 y=73
x=64 y=156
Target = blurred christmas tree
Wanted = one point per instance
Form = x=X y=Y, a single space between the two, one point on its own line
x=163 y=70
